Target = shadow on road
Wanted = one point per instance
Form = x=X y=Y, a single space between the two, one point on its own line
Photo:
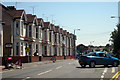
x=95 y=67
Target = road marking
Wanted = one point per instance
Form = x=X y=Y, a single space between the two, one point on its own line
x=113 y=70
x=45 y=72
x=103 y=73
x=70 y=63
x=58 y=67
x=102 y=76
x=26 y=78
x=116 y=75
x=105 y=70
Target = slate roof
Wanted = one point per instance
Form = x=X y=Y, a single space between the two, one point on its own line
x=57 y=29
x=52 y=27
x=30 y=18
x=46 y=25
x=40 y=21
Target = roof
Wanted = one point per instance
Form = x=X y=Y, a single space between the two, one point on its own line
x=71 y=35
x=61 y=30
x=15 y=13
x=68 y=34
x=40 y=21
x=65 y=32
x=30 y=18
x=57 y=29
x=52 y=27
x=46 y=25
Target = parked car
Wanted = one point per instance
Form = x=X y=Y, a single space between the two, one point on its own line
x=98 y=58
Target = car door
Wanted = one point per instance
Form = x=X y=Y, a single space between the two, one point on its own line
x=108 y=59
x=101 y=59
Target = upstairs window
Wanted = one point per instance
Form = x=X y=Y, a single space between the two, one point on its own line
x=59 y=38
x=50 y=36
x=36 y=32
x=45 y=35
x=22 y=25
x=69 y=41
x=26 y=31
x=63 y=41
x=30 y=30
x=17 y=28
x=55 y=38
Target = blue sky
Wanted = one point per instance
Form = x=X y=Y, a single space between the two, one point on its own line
x=93 y=18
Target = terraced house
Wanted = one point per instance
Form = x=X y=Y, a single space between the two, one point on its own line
x=33 y=39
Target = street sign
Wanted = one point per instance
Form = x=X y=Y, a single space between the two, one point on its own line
x=8 y=45
x=27 y=49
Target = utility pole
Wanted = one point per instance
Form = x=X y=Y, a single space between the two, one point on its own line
x=47 y=19
x=16 y=4
x=52 y=19
x=33 y=7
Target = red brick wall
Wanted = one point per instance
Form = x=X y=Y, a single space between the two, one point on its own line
x=59 y=57
x=24 y=59
x=67 y=57
x=34 y=58
x=49 y=58
x=46 y=58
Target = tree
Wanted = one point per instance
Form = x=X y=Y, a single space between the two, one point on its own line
x=107 y=45
x=106 y=49
x=115 y=38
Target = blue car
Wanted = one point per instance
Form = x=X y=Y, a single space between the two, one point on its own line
x=98 y=58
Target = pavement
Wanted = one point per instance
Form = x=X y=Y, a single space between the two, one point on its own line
x=32 y=64
x=25 y=65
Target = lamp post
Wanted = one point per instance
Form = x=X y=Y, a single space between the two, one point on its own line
x=116 y=17
x=76 y=29
x=75 y=43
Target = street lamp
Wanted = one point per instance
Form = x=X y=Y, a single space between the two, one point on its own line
x=116 y=17
x=75 y=43
x=113 y=17
x=76 y=29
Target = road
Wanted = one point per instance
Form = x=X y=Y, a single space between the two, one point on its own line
x=64 y=69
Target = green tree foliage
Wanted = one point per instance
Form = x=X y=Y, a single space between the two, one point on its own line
x=115 y=38
x=105 y=49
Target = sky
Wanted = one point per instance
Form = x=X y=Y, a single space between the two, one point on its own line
x=92 y=18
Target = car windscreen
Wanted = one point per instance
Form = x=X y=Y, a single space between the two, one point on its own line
x=90 y=54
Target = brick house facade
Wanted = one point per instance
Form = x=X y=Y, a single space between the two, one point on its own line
x=42 y=38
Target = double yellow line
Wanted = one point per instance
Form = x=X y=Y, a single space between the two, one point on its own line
x=115 y=77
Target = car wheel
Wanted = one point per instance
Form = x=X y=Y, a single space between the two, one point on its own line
x=115 y=63
x=92 y=64
x=83 y=65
